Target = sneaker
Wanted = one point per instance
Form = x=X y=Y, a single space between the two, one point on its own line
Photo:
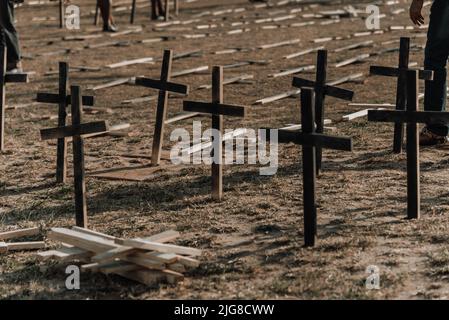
x=110 y=28
x=428 y=138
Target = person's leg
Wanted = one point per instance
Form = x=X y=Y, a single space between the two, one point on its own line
x=9 y=35
x=153 y=10
x=106 y=14
x=160 y=8
x=436 y=56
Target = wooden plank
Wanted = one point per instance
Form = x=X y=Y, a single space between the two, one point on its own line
x=303 y=52
x=160 y=247
x=188 y=262
x=358 y=114
x=94 y=233
x=130 y=62
x=349 y=61
x=189 y=71
x=19 y=233
x=81 y=240
x=182 y=116
x=214 y=108
x=291 y=71
x=56 y=98
x=74 y=130
x=16 y=77
x=32 y=245
x=65 y=254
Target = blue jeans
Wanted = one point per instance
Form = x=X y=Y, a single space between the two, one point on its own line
x=436 y=56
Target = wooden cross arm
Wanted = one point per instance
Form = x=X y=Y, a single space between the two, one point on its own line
x=408 y=116
x=70 y=131
x=394 y=72
x=329 y=90
x=215 y=108
x=55 y=98
x=313 y=139
x=164 y=86
x=16 y=77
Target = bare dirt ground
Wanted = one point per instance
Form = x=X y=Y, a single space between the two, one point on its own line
x=253 y=240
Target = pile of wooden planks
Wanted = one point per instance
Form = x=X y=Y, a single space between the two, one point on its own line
x=149 y=260
x=15 y=246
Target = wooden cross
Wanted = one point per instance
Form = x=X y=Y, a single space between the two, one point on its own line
x=321 y=91
x=217 y=109
x=412 y=117
x=401 y=92
x=164 y=86
x=4 y=79
x=76 y=131
x=310 y=139
x=61 y=14
x=63 y=100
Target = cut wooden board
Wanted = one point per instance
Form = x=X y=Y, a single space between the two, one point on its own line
x=358 y=114
x=140 y=173
x=155 y=246
x=32 y=245
x=18 y=233
x=64 y=254
x=81 y=240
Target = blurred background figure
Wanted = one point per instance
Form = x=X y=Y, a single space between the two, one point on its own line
x=106 y=14
x=157 y=10
x=8 y=35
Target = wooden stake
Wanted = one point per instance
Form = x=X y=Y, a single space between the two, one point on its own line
x=217 y=124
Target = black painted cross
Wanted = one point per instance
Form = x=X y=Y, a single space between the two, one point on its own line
x=76 y=131
x=63 y=100
x=321 y=91
x=412 y=117
x=401 y=92
x=217 y=109
x=4 y=79
x=310 y=139
x=164 y=86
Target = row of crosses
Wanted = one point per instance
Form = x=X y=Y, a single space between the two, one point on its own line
x=310 y=137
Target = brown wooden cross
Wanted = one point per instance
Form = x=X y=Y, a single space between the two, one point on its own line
x=412 y=117
x=401 y=92
x=164 y=86
x=76 y=131
x=4 y=79
x=63 y=100
x=321 y=91
x=310 y=139
x=217 y=109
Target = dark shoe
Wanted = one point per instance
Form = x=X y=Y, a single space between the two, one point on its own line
x=428 y=138
x=110 y=28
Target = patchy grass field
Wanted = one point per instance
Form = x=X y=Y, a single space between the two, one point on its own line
x=252 y=241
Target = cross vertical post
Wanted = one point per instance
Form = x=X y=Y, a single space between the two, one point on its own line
x=78 y=161
x=309 y=168
x=161 y=112
x=167 y=10
x=164 y=86
x=413 y=185
x=217 y=125
x=133 y=11
x=2 y=96
x=401 y=97
x=61 y=153
x=320 y=95
x=61 y=14
x=176 y=7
